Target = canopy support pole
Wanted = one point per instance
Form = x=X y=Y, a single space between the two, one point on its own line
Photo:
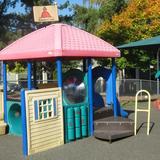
x=29 y=75
x=24 y=124
x=114 y=88
x=5 y=91
x=90 y=94
x=59 y=71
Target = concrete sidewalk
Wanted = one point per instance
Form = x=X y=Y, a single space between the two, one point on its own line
x=140 y=147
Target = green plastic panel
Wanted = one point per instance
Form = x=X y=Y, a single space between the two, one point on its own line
x=76 y=122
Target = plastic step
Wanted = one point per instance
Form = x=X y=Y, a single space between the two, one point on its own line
x=113 y=128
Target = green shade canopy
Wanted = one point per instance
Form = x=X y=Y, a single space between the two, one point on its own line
x=153 y=42
x=146 y=44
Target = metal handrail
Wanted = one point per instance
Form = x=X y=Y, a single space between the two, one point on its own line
x=142 y=110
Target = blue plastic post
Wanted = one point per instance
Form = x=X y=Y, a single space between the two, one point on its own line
x=5 y=91
x=29 y=74
x=109 y=92
x=59 y=72
x=90 y=94
x=24 y=124
x=114 y=88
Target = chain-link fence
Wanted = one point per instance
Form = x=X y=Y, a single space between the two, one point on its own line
x=128 y=87
x=125 y=87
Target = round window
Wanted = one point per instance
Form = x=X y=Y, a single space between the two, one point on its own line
x=74 y=90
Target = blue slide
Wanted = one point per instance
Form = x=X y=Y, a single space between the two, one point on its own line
x=98 y=101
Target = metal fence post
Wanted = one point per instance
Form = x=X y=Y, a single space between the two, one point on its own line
x=118 y=84
x=141 y=87
x=157 y=86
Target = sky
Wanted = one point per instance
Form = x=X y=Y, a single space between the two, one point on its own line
x=20 y=9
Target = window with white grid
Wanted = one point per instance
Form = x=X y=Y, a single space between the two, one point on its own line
x=45 y=108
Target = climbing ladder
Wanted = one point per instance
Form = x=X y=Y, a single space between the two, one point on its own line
x=142 y=110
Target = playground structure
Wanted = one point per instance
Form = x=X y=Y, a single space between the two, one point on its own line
x=59 y=42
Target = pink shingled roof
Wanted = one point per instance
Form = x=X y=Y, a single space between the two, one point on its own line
x=58 y=40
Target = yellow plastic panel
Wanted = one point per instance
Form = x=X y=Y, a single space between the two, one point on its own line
x=45 y=129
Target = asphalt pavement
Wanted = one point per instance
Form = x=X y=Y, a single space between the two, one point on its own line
x=140 y=147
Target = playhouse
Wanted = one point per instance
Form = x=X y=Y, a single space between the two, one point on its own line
x=67 y=109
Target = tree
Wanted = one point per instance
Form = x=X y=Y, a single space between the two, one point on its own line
x=139 y=20
x=110 y=7
x=92 y=2
x=16 y=67
x=10 y=28
x=90 y=17
x=8 y=23
x=85 y=18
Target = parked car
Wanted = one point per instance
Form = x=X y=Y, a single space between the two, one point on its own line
x=12 y=87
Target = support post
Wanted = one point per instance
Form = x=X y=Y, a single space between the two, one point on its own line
x=29 y=75
x=5 y=91
x=24 y=124
x=115 y=109
x=34 y=75
x=59 y=71
x=90 y=94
